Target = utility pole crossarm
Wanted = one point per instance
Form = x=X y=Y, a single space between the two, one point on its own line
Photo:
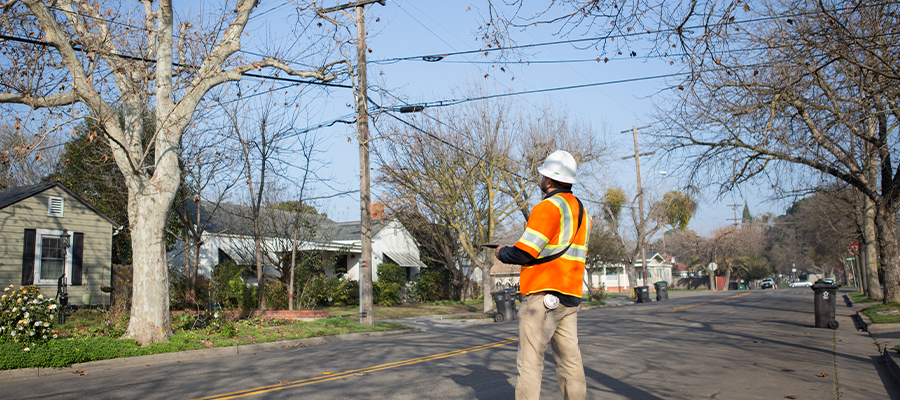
x=649 y=153
x=351 y=5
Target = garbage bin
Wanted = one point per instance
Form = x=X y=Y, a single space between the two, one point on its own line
x=506 y=305
x=642 y=294
x=662 y=290
x=826 y=295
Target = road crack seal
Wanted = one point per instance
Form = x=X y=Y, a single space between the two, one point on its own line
x=837 y=386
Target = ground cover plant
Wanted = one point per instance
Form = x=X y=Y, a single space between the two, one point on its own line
x=872 y=313
x=83 y=345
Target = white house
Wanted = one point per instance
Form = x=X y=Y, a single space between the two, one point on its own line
x=611 y=276
x=615 y=279
x=659 y=268
x=227 y=235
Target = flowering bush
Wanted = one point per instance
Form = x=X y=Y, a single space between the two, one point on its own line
x=25 y=315
x=221 y=324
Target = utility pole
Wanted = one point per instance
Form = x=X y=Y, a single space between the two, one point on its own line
x=734 y=208
x=641 y=217
x=366 y=314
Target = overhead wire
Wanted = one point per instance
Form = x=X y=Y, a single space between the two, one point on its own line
x=182 y=37
x=451 y=46
x=434 y=57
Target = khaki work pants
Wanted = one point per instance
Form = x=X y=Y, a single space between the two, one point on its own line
x=559 y=327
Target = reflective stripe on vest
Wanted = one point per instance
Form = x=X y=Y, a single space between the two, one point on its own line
x=565 y=273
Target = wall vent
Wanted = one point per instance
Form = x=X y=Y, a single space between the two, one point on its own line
x=56 y=207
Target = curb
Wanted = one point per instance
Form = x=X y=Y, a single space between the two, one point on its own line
x=587 y=308
x=865 y=320
x=100 y=365
x=891 y=358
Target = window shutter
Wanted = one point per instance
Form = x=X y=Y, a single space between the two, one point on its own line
x=28 y=257
x=77 y=256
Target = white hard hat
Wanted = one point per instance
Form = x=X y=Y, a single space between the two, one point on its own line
x=560 y=166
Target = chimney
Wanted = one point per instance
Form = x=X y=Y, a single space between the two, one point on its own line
x=377 y=210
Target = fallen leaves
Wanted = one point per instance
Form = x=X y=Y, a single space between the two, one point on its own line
x=823 y=374
x=790 y=397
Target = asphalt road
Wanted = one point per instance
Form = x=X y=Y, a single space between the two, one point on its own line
x=725 y=345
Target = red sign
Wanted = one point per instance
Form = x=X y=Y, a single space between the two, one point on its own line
x=854 y=247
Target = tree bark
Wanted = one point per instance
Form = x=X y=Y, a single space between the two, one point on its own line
x=873 y=287
x=886 y=222
x=727 y=276
x=148 y=210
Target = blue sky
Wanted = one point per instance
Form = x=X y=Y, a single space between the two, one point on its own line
x=415 y=28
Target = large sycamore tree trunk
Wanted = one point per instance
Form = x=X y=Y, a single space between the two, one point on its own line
x=886 y=221
x=141 y=77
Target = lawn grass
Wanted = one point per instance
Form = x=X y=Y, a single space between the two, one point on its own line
x=858 y=297
x=65 y=351
x=872 y=313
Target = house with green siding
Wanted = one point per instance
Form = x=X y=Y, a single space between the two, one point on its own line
x=47 y=232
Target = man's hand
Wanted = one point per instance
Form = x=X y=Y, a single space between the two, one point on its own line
x=497 y=251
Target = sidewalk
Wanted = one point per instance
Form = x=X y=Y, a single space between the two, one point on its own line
x=885 y=337
x=862 y=363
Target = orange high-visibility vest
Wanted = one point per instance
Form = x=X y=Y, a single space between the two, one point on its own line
x=550 y=229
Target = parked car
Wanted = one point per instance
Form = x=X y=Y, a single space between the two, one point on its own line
x=768 y=283
x=831 y=281
x=800 y=284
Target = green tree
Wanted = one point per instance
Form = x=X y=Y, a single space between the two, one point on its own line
x=746 y=217
x=680 y=208
x=755 y=266
x=614 y=200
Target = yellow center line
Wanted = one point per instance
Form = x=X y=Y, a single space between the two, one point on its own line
x=345 y=374
x=700 y=304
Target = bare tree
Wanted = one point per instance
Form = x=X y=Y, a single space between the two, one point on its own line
x=93 y=56
x=604 y=250
x=472 y=167
x=26 y=158
x=207 y=177
x=636 y=236
x=791 y=99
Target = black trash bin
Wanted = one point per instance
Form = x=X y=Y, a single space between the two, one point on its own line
x=662 y=290
x=506 y=305
x=642 y=294
x=825 y=301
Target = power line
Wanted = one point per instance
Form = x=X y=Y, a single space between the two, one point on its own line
x=434 y=57
x=450 y=102
x=148 y=60
x=584 y=60
x=183 y=37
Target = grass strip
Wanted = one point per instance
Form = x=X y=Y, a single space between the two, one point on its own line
x=62 y=352
x=858 y=297
x=872 y=313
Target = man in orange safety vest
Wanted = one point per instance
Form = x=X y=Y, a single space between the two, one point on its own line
x=552 y=253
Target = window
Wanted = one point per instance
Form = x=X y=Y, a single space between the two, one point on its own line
x=50 y=259
x=341 y=266
x=55 y=207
